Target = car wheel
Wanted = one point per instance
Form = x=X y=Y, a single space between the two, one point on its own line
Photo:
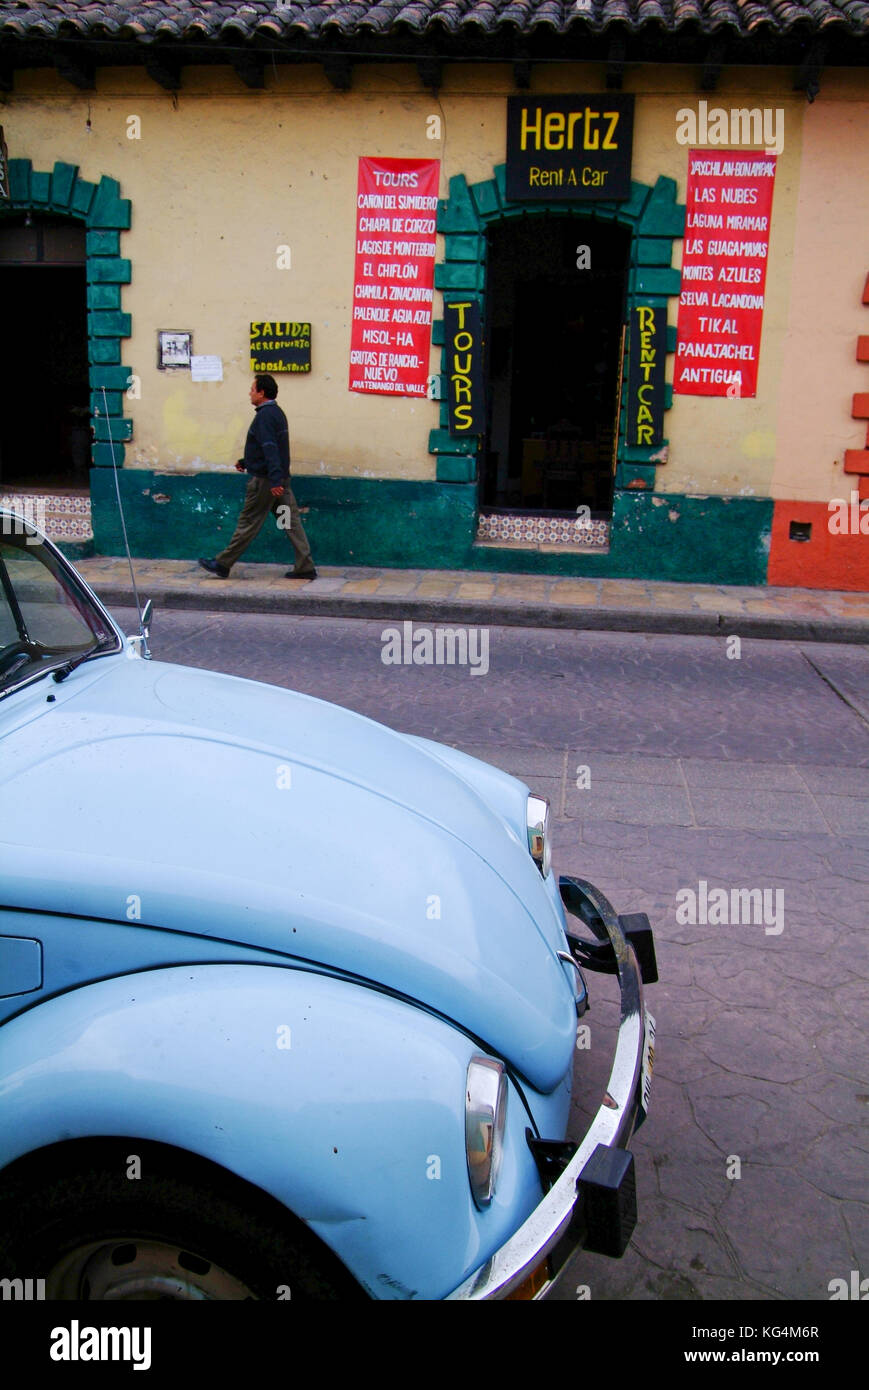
x=95 y=1235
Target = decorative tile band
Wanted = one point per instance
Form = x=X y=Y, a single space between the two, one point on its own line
x=543 y=530
x=48 y=501
x=59 y=516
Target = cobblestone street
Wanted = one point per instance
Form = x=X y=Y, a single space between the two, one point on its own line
x=669 y=764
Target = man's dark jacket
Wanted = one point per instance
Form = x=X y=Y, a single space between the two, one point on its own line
x=267 y=447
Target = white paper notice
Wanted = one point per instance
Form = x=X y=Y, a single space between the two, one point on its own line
x=206 y=368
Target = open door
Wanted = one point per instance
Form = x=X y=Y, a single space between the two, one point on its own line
x=45 y=432
x=555 y=303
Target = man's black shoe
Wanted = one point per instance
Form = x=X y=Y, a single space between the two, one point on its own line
x=214 y=568
x=300 y=574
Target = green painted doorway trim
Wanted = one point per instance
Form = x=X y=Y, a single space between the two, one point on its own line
x=105 y=215
x=655 y=220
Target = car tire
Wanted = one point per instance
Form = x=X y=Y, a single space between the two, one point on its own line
x=94 y=1234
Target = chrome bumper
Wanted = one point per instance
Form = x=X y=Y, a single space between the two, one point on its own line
x=558 y=1225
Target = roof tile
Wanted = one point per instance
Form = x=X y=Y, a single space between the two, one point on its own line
x=197 y=20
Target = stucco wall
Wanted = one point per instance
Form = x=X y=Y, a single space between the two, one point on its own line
x=222 y=177
x=825 y=317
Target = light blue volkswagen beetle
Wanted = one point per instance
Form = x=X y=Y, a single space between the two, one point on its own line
x=288 y=1003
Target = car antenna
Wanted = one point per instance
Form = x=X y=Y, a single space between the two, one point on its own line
x=143 y=628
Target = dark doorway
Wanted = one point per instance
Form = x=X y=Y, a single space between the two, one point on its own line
x=45 y=434
x=555 y=305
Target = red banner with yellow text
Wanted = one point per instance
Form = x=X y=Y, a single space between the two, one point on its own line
x=724 y=259
x=396 y=213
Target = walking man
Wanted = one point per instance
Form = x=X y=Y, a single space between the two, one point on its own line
x=267 y=460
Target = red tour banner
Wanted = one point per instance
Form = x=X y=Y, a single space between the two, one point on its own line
x=724 y=257
x=396 y=213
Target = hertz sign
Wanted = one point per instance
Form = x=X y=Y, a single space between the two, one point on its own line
x=569 y=147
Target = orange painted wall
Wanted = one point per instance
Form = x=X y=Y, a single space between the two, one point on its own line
x=826 y=561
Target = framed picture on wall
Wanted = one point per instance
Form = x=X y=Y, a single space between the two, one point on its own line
x=174 y=349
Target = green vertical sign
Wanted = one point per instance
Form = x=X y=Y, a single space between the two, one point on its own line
x=648 y=350
x=464 y=344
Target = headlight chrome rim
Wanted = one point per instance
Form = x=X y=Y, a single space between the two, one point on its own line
x=485 y=1121
x=537 y=819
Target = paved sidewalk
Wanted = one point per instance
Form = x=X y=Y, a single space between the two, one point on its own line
x=514 y=600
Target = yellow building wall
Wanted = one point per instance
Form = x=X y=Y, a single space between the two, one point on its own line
x=221 y=178
x=825 y=312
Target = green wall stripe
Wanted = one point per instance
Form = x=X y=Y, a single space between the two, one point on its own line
x=429 y=525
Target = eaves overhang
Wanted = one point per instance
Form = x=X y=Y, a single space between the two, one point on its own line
x=167 y=36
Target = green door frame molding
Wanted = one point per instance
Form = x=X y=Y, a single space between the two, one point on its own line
x=105 y=215
x=655 y=220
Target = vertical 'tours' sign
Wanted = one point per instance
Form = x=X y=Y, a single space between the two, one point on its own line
x=463 y=340
x=647 y=347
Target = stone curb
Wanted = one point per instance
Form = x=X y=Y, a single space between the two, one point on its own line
x=490 y=612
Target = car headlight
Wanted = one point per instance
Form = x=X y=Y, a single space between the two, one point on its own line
x=539 y=837
x=485 y=1117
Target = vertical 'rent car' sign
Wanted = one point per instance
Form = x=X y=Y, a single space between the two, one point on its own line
x=647 y=348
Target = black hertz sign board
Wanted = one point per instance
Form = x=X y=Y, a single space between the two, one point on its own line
x=569 y=147
x=463 y=342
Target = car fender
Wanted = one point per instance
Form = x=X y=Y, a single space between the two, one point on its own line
x=344 y=1103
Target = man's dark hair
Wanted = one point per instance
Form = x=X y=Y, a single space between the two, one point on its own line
x=267 y=384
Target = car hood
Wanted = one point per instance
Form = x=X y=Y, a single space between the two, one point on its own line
x=200 y=803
